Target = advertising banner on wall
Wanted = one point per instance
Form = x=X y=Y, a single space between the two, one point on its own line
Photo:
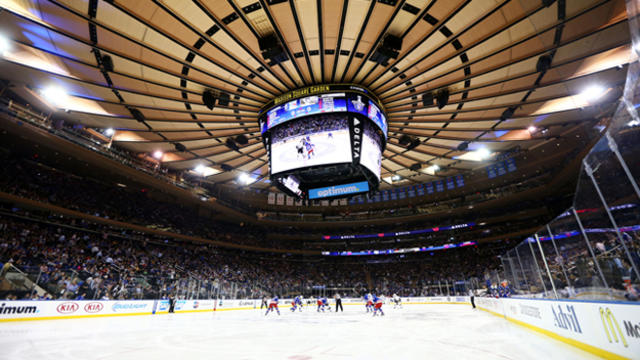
x=603 y=328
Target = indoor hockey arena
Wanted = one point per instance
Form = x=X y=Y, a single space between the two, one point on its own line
x=319 y=179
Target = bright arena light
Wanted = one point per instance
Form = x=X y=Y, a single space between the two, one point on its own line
x=245 y=179
x=593 y=92
x=4 y=44
x=395 y=177
x=483 y=153
x=158 y=154
x=109 y=132
x=55 y=95
x=532 y=129
x=200 y=169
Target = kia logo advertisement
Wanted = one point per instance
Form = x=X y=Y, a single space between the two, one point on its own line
x=67 y=308
x=93 y=307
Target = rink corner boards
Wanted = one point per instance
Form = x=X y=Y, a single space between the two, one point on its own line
x=608 y=329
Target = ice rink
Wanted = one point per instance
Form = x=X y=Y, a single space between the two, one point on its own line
x=414 y=332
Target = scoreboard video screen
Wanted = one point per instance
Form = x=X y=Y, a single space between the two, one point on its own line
x=321 y=104
x=324 y=145
x=318 y=140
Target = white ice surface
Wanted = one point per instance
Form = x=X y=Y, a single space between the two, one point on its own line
x=415 y=332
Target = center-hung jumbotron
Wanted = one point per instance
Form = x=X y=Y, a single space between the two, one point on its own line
x=325 y=141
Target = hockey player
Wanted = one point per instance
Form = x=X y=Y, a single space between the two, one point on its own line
x=299 y=149
x=325 y=303
x=273 y=304
x=299 y=302
x=309 y=146
x=377 y=305
x=368 y=301
x=397 y=301
x=296 y=304
x=320 y=305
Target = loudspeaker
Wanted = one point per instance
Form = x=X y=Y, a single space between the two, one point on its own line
x=231 y=144
x=107 y=63
x=404 y=140
x=416 y=166
x=507 y=114
x=427 y=99
x=544 y=63
x=463 y=146
x=223 y=99
x=180 y=147
x=392 y=42
x=271 y=49
x=242 y=139
x=226 y=167
x=414 y=144
x=209 y=99
x=442 y=98
x=136 y=114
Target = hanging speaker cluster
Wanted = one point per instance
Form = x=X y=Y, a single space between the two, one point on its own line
x=272 y=50
x=242 y=139
x=409 y=141
x=388 y=49
x=231 y=144
x=180 y=147
x=209 y=99
x=442 y=98
x=107 y=63
x=544 y=63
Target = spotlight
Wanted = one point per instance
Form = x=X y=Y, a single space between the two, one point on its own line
x=532 y=129
x=55 y=94
x=200 y=169
x=593 y=92
x=158 y=154
x=109 y=132
x=395 y=178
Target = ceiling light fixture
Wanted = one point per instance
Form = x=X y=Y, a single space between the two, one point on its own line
x=200 y=169
x=109 y=132
x=54 y=94
x=593 y=92
x=158 y=154
x=532 y=129
x=4 y=44
x=245 y=179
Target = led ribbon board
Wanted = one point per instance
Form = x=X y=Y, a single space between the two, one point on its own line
x=338 y=190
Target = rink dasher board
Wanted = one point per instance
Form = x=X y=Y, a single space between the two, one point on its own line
x=607 y=329
x=76 y=309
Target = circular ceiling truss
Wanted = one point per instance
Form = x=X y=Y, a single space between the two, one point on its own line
x=167 y=53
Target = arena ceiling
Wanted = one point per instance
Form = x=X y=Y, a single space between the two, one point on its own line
x=166 y=53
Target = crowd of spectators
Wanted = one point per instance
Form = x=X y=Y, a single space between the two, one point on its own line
x=70 y=262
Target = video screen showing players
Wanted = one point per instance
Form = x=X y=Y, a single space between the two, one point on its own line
x=370 y=155
x=311 y=141
x=305 y=106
